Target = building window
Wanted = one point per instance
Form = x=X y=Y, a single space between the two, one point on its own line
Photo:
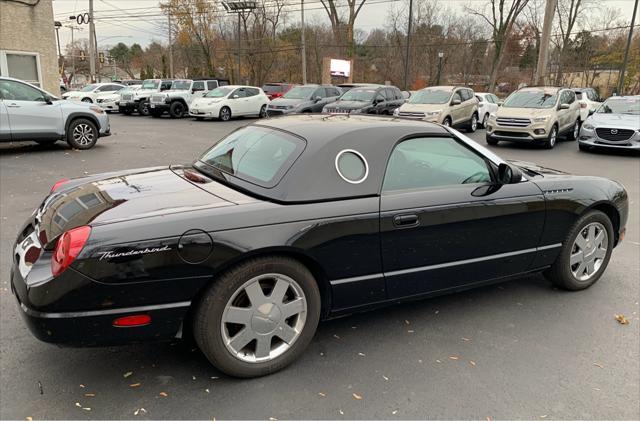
x=21 y=65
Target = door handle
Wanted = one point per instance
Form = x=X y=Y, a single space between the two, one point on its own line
x=404 y=221
x=13 y=106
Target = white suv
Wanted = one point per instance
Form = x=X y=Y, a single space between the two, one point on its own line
x=176 y=101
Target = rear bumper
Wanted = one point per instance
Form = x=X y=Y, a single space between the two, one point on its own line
x=95 y=327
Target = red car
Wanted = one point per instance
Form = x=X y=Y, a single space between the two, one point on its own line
x=277 y=89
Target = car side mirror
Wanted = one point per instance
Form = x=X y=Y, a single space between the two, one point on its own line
x=591 y=112
x=235 y=96
x=456 y=102
x=47 y=99
x=564 y=106
x=508 y=174
x=318 y=98
x=500 y=103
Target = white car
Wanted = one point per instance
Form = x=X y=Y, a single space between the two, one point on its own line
x=589 y=101
x=230 y=101
x=90 y=92
x=109 y=101
x=488 y=105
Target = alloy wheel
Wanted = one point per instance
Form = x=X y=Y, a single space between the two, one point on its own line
x=485 y=120
x=588 y=251
x=83 y=134
x=552 y=137
x=446 y=122
x=576 y=130
x=474 y=123
x=263 y=318
x=225 y=114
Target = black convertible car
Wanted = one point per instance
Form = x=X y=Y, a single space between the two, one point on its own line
x=288 y=221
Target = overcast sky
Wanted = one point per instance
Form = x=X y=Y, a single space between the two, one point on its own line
x=141 y=21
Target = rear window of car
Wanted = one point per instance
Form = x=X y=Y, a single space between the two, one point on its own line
x=272 y=89
x=255 y=154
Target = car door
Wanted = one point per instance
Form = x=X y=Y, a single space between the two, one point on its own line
x=457 y=111
x=30 y=116
x=445 y=223
x=5 y=130
x=317 y=104
x=253 y=101
x=238 y=102
x=378 y=102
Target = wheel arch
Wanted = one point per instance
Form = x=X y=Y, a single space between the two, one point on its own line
x=77 y=115
x=612 y=213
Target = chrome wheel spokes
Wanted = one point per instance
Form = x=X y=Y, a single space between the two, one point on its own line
x=589 y=251
x=83 y=134
x=264 y=317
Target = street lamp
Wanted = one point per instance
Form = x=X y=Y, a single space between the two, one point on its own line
x=440 y=55
x=57 y=24
x=239 y=7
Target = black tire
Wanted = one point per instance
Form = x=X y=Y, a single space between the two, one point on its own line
x=143 y=108
x=473 y=123
x=485 y=120
x=208 y=316
x=263 y=112
x=88 y=100
x=446 y=121
x=491 y=141
x=552 y=139
x=560 y=272
x=225 y=114
x=177 y=109
x=575 y=131
x=82 y=133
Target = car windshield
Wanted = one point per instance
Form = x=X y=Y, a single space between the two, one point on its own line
x=430 y=96
x=150 y=84
x=255 y=154
x=219 y=92
x=361 y=95
x=620 y=106
x=300 y=92
x=181 y=85
x=88 y=88
x=270 y=89
x=531 y=99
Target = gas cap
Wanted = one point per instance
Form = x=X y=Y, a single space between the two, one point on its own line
x=195 y=246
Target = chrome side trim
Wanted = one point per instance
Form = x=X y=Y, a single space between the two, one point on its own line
x=93 y=313
x=443 y=265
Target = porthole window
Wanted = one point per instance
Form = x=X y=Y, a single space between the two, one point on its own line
x=352 y=166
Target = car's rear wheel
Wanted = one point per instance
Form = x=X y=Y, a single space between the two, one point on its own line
x=575 y=131
x=258 y=317
x=473 y=123
x=82 y=134
x=263 y=112
x=225 y=114
x=143 y=108
x=552 y=139
x=585 y=253
x=177 y=109
x=87 y=100
x=485 y=120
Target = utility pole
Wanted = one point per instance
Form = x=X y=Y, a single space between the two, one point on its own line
x=73 y=53
x=545 y=39
x=440 y=55
x=239 y=49
x=92 y=44
x=406 y=54
x=171 y=47
x=626 y=51
x=304 y=48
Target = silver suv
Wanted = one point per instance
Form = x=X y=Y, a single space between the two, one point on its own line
x=29 y=113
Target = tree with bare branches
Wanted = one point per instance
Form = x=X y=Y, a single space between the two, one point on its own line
x=500 y=15
x=343 y=25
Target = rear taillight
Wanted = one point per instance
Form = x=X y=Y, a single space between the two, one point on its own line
x=57 y=185
x=68 y=247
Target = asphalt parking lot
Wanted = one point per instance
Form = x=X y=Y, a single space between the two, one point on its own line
x=515 y=350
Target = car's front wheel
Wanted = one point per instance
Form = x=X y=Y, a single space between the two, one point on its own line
x=143 y=108
x=87 y=100
x=263 y=112
x=491 y=141
x=258 y=317
x=550 y=143
x=225 y=114
x=446 y=122
x=485 y=120
x=177 y=109
x=585 y=253
x=575 y=131
x=82 y=134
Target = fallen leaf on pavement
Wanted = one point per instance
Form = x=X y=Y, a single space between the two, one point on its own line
x=206 y=390
x=395 y=411
x=465 y=339
x=164 y=394
x=410 y=331
x=386 y=379
x=322 y=394
x=407 y=322
x=438 y=361
x=473 y=363
x=598 y=365
x=543 y=416
x=127 y=374
x=78 y=405
x=89 y=395
x=134 y=385
x=341 y=411
x=87 y=409
x=356 y=396
x=336 y=336
x=29 y=419
x=453 y=357
x=82 y=386
x=361 y=354
x=621 y=319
